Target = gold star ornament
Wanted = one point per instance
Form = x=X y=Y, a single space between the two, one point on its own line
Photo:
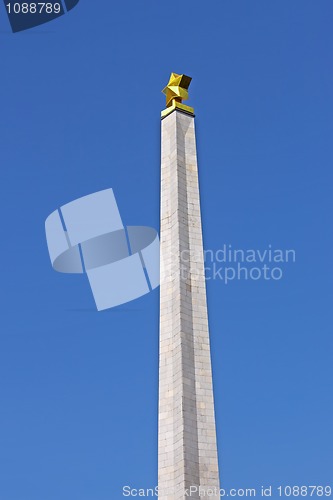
x=176 y=91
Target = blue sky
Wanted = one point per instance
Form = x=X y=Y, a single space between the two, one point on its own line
x=80 y=112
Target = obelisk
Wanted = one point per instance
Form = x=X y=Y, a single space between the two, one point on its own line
x=187 y=449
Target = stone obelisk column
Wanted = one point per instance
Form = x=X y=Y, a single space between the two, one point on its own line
x=187 y=456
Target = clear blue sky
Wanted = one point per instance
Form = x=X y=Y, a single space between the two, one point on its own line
x=80 y=107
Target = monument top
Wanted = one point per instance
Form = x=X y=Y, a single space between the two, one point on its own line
x=176 y=91
x=177 y=88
